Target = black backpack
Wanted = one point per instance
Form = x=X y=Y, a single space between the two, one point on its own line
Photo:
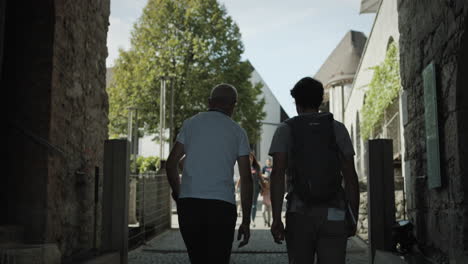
x=315 y=159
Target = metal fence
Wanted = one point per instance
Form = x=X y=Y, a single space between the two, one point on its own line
x=149 y=208
x=391 y=128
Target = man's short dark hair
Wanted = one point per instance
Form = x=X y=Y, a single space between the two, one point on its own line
x=308 y=93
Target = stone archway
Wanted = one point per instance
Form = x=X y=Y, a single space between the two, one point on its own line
x=26 y=79
x=2 y=31
x=462 y=105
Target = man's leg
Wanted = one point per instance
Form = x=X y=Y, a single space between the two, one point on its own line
x=256 y=192
x=192 y=213
x=331 y=243
x=221 y=229
x=269 y=215
x=300 y=238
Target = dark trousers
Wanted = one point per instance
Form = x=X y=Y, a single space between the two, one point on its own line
x=310 y=235
x=207 y=227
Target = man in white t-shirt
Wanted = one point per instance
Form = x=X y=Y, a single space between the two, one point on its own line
x=212 y=143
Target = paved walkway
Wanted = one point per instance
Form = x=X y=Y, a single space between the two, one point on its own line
x=169 y=248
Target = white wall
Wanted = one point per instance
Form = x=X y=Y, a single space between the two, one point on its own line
x=272 y=109
x=338 y=95
x=147 y=146
x=385 y=27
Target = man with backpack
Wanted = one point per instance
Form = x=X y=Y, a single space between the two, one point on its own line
x=317 y=154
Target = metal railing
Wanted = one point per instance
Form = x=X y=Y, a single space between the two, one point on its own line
x=150 y=211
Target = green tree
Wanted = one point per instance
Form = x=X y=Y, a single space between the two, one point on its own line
x=198 y=45
x=383 y=90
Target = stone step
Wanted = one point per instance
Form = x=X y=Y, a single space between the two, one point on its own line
x=11 y=234
x=383 y=257
x=18 y=253
x=109 y=258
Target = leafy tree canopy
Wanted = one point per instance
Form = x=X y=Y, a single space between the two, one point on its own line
x=198 y=45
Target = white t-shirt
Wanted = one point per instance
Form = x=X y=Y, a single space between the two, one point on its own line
x=212 y=143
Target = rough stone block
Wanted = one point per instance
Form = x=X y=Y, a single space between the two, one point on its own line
x=11 y=234
x=383 y=257
x=110 y=258
x=27 y=254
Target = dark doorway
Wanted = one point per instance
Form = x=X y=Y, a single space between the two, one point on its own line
x=462 y=105
x=27 y=41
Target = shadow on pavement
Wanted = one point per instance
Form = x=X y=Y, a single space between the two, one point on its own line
x=169 y=248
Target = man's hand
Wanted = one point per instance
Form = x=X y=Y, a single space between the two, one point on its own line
x=244 y=230
x=280 y=163
x=175 y=196
x=351 y=229
x=172 y=174
x=351 y=223
x=246 y=187
x=277 y=231
x=352 y=194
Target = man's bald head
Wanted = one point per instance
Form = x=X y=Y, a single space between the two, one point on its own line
x=224 y=97
x=223 y=93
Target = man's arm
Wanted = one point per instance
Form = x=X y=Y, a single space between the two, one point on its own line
x=351 y=186
x=172 y=168
x=246 y=187
x=280 y=163
x=246 y=198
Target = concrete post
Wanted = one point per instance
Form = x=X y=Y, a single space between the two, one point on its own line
x=115 y=197
x=132 y=218
x=381 y=195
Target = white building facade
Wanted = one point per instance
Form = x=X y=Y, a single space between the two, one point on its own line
x=384 y=31
x=338 y=71
x=347 y=73
x=274 y=115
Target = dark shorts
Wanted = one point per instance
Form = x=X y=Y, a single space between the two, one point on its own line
x=207 y=227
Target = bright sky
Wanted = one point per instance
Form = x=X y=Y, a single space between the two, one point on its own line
x=284 y=40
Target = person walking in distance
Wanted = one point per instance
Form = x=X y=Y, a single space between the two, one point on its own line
x=266 y=170
x=266 y=204
x=212 y=143
x=318 y=154
x=257 y=184
x=237 y=196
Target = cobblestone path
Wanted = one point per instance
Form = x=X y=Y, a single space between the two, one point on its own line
x=169 y=248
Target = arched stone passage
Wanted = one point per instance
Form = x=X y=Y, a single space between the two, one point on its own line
x=390 y=41
x=26 y=79
x=462 y=105
x=53 y=76
x=2 y=31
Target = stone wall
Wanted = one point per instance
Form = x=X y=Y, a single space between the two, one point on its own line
x=436 y=31
x=363 y=223
x=27 y=108
x=78 y=122
x=54 y=83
